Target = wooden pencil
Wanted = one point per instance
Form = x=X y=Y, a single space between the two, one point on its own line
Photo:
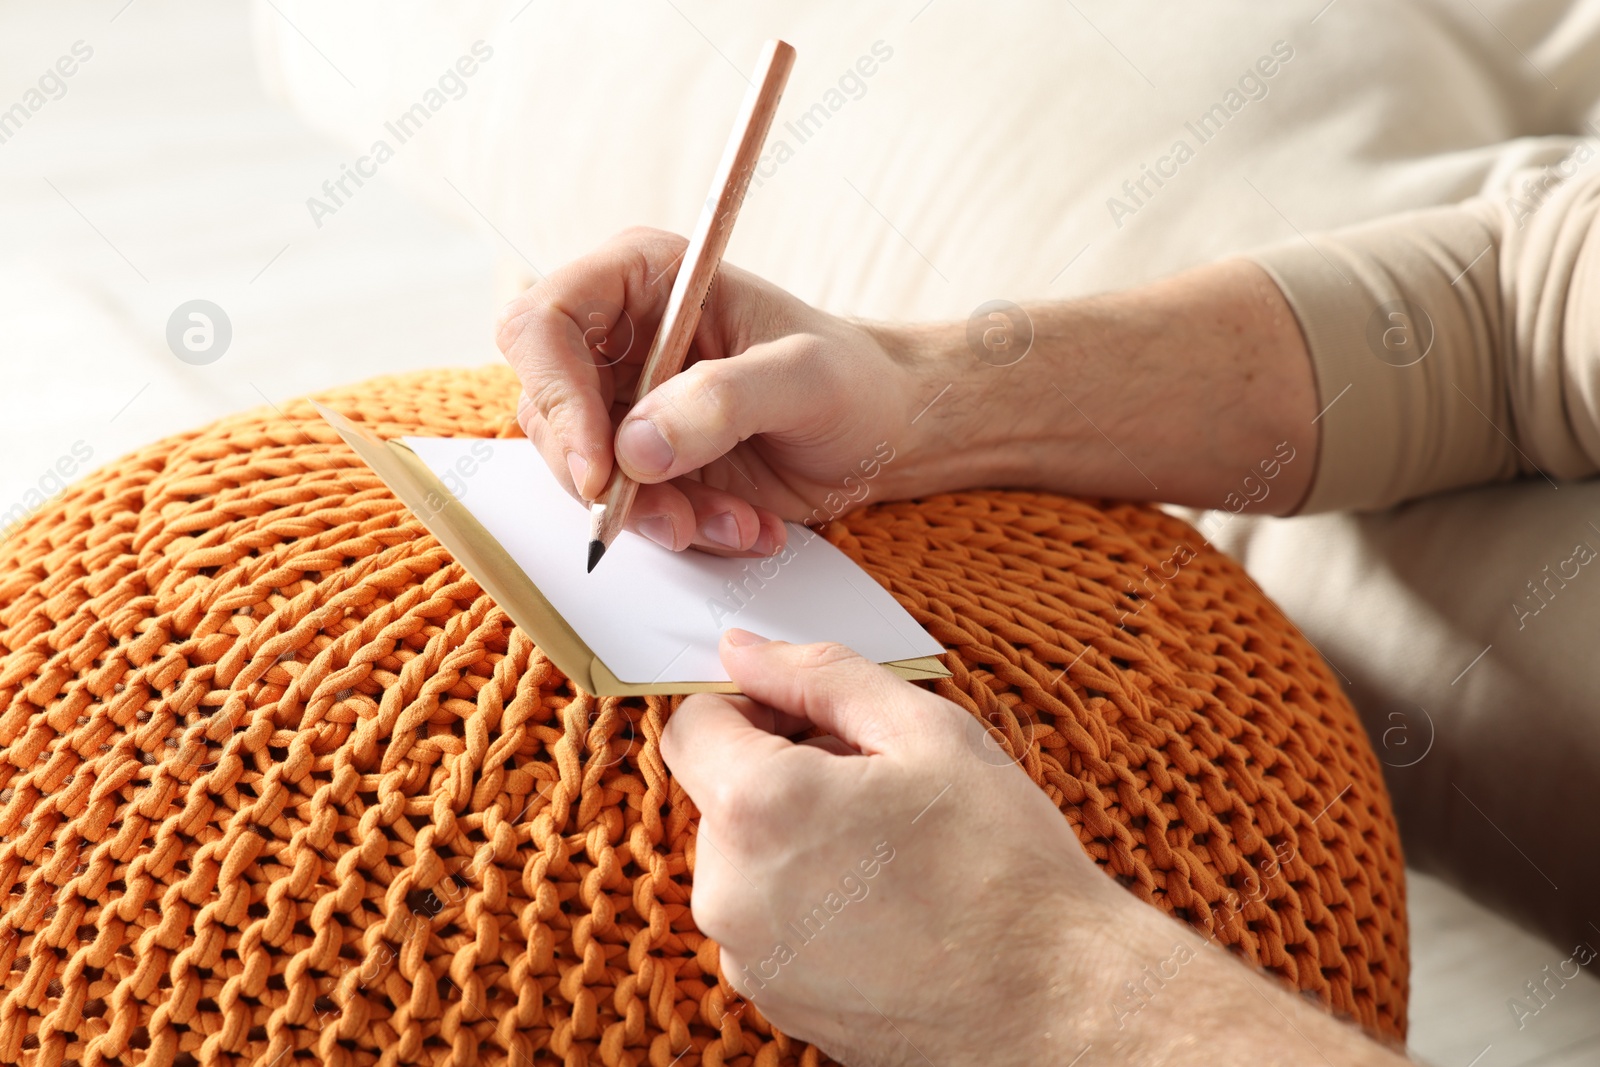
x=609 y=513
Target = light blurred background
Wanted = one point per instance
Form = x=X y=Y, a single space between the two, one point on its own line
x=171 y=170
x=165 y=174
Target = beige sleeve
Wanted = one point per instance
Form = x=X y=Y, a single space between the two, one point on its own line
x=1454 y=346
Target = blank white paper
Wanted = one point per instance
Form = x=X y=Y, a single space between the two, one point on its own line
x=653 y=615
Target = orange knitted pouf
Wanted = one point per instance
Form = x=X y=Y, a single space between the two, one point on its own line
x=279 y=783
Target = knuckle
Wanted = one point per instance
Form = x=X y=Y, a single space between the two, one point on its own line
x=515 y=318
x=721 y=914
x=740 y=802
x=951 y=727
x=633 y=235
x=713 y=897
x=674 y=743
x=538 y=431
x=643 y=246
x=715 y=394
x=510 y=329
x=823 y=656
x=548 y=395
x=638 y=244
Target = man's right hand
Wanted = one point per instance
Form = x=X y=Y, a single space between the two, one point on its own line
x=1188 y=390
x=781 y=411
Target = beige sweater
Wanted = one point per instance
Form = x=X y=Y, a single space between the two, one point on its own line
x=1455 y=346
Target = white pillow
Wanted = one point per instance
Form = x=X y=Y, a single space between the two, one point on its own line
x=986 y=150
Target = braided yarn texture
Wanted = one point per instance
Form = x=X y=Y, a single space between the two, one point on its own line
x=279 y=783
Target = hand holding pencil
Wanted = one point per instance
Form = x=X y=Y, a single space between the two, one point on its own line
x=781 y=411
x=700 y=263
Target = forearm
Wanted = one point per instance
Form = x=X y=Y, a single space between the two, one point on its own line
x=1403 y=357
x=1162 y=996
x=1176 y=391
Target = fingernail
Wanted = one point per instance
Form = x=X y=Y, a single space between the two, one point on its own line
x=722 y=529
x=645 y=448
x=658 y=528
x=739 y=638
x=766 y=544
x=578 y=467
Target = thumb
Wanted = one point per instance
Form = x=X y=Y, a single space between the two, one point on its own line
x=712 y=739
x=697 y=416
x=831 y=686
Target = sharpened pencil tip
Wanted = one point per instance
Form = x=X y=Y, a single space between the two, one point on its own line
x=596 y=550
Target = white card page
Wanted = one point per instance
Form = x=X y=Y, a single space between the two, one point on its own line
x=652 y=615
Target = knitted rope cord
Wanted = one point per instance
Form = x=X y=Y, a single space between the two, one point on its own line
x=279 y=782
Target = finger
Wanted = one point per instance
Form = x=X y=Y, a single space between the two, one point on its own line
x=770 y=719
x=676 y=514
x=727 y=524
x=696 y=416
x=828 y=684
x=712 y=740
x=664 y=515
x=721 y=902
x=770 y=541
x=565 y=394
x=563 y=335
x=680 y=514
x=548 y=445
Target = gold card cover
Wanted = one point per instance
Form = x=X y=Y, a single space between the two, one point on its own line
x=493 y=568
